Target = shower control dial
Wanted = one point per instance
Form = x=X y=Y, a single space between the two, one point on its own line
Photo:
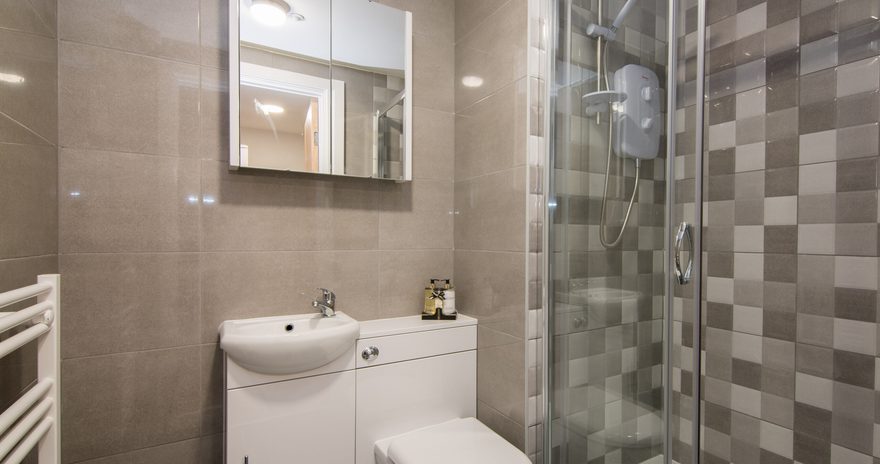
x=647 y=94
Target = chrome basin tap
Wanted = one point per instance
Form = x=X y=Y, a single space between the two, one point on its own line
x=327 y=304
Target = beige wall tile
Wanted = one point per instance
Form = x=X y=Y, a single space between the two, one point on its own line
x=403 y=276
x=113 y=404
x=495 y=52
x=501 y=424
x=433 y=144
x=182 y=451
x=33 y=102
x=112 y=100
x=433 y=72
x=501 y=374
x=28 y=167
x=48 y=11
x=36 y=17
x=255 y=284
x=416 y=215
x=12 y=131
x=212 y=391
x=28 y=200
x=211 y=449
x=160 y=28
x=214 y=115
x=118 y=202
x=432 y=18
x=134 y=301
x=250 y=210
x=491 y=288
x=469 y=14
x=490 y=135
x=213 y=28
x=19 y=272
x=491 y=212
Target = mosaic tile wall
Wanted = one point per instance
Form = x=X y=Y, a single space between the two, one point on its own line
x=790 y=317
x=607 y=303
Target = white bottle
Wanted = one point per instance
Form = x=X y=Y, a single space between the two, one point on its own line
x=449 y=302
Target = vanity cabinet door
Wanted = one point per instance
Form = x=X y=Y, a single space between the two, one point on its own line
x=309 y=420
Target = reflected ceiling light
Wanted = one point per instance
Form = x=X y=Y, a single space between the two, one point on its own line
x=267 y=109
x=472 y=81
x=274 y=12
x=273 y=109
x=11 y=78
x=271 y=12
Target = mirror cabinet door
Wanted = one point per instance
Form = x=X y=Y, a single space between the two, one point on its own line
x=322 y=87
x=371 y=49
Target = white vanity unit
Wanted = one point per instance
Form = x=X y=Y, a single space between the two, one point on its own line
x=398 y=375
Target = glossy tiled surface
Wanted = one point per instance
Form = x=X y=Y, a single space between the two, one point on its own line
x=147 y=202
x=31 y=103
x=491 y=181
x=791 y=284
x=105 y=93
x=164 y=29
x=28 y=164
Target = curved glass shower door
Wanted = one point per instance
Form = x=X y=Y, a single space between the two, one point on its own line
x=623 y=228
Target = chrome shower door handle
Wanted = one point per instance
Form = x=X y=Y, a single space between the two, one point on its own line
x=684 y=232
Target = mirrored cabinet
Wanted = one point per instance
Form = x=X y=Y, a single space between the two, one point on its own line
x=321 y=87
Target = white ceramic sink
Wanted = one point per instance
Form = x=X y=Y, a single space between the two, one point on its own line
x=285 y=345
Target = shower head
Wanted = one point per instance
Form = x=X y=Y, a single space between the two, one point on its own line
x=609 y=33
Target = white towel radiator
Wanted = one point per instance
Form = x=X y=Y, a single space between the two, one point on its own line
x=33 y=420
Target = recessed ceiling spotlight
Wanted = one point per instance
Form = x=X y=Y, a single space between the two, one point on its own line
x=273 y=12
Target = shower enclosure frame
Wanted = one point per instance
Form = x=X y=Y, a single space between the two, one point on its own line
x=554 y=43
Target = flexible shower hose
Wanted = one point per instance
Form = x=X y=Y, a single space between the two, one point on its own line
x=602 y=220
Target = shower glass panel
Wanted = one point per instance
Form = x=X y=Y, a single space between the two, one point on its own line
x=623 y=228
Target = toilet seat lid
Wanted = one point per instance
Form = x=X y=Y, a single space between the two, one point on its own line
x=460 y=441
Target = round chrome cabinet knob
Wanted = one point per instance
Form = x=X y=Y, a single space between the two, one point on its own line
x=370 y=353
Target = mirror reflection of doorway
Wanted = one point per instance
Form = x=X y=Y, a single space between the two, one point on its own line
x=279 y=129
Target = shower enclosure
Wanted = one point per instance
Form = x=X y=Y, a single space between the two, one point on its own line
x=624 y=224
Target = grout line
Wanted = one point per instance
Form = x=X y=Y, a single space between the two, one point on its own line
x=30 y=33
x=145 y=350
x=129 y=452
x=131 y=52
x=8 y=259
x=494 y=93
x=478 y=25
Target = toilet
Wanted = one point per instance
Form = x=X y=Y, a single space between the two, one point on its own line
x=416 y=400
x=462 y=441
